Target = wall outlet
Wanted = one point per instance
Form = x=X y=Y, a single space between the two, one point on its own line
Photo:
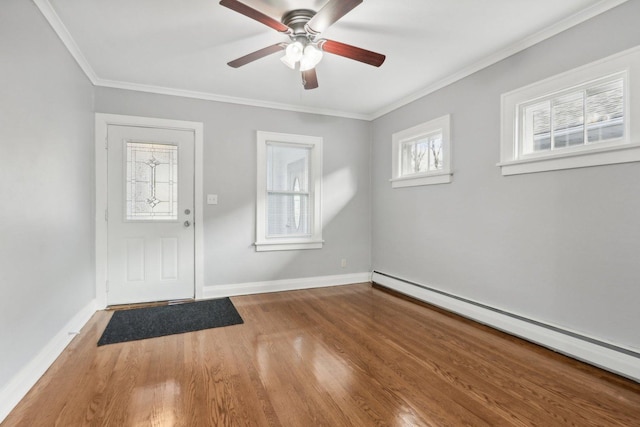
x=343 y=263
x=212 y=199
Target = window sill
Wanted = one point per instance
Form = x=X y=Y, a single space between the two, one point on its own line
x=416 y=180
x=287 y=245
x=595 y=157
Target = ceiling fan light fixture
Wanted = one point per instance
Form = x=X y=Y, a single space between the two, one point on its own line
x=288 y=62
x=294 y=51
x=310 y=58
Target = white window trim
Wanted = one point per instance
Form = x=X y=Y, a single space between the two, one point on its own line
x=442 y=176
x=622 y=150
x=314 y=241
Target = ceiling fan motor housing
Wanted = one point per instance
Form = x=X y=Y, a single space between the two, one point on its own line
x=297 y=20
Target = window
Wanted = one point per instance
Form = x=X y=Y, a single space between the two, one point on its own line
x=289 y=192
x=421 y=155
x=576 y=119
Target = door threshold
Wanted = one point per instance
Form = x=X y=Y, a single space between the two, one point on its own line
x=117 y=307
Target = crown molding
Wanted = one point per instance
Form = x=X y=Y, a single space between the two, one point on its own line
x=498 y=56
x=63 y=33
x=226 y=99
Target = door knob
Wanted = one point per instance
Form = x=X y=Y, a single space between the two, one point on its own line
x=187 y=223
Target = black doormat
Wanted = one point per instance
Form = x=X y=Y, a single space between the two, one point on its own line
x=151 y=322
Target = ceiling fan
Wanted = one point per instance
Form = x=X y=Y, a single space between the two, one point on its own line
x=303 y=26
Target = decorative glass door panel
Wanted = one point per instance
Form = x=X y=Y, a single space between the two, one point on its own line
x=152 y=181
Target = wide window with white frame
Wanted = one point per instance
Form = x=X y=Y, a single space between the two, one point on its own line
x=422 y=154
x=289 y=192
x=580 y=118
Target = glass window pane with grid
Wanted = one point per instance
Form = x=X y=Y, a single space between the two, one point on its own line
x=559 y=121
x=288 y=194
x=422 y=154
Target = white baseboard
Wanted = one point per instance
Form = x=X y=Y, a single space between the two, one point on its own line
x=220 y=291
x=586 y=350
x=26 y=378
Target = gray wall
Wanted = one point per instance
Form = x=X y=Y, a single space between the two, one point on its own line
x=230 y=172
x=46 y=186
x=560 y=247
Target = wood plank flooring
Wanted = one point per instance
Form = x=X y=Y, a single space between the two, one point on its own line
x=343 y=356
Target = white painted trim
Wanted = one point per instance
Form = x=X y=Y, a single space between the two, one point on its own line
x=581 y=159
x=414 y=181
x=566 y=343
x=101 y=125
x=219 y=291
x=23 y=380
x=65 y=36
x=228 y=99
x=496 y=57
x=265 y=246
x=54 y=20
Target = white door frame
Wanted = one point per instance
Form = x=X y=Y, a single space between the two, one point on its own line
x=101 y=125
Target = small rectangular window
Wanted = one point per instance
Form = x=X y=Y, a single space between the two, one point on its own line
x=422 y=155
x=559 y=121
x=583 y=117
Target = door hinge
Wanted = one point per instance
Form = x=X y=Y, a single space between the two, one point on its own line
x=106 y=215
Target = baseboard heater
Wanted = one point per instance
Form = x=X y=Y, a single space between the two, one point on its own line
x=617 y=359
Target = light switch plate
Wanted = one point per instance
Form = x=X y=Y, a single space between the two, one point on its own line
x=212 y=199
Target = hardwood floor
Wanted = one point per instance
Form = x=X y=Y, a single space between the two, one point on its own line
x=343 y=356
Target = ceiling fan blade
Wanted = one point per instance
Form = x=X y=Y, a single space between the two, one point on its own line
x=352 y=52
x=310 y=79
x=255 y=14
x=244 y=60
x=329 y=14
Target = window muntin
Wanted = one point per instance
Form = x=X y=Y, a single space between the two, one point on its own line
x=558 y=122
x=422 y=154
x=289 y=190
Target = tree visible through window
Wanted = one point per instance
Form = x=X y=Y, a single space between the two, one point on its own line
x=422 y=154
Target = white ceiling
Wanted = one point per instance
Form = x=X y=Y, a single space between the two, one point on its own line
x=182 y=47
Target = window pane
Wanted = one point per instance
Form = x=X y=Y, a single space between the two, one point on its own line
x=151 y=181
x=408 y=166
x=537 y=128
x=605 y=111
x=568 y=120
x=287 y=214
x=435 y=154
x=421 y=155
x=284 y=165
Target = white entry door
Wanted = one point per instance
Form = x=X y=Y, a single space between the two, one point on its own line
x=150 y=255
